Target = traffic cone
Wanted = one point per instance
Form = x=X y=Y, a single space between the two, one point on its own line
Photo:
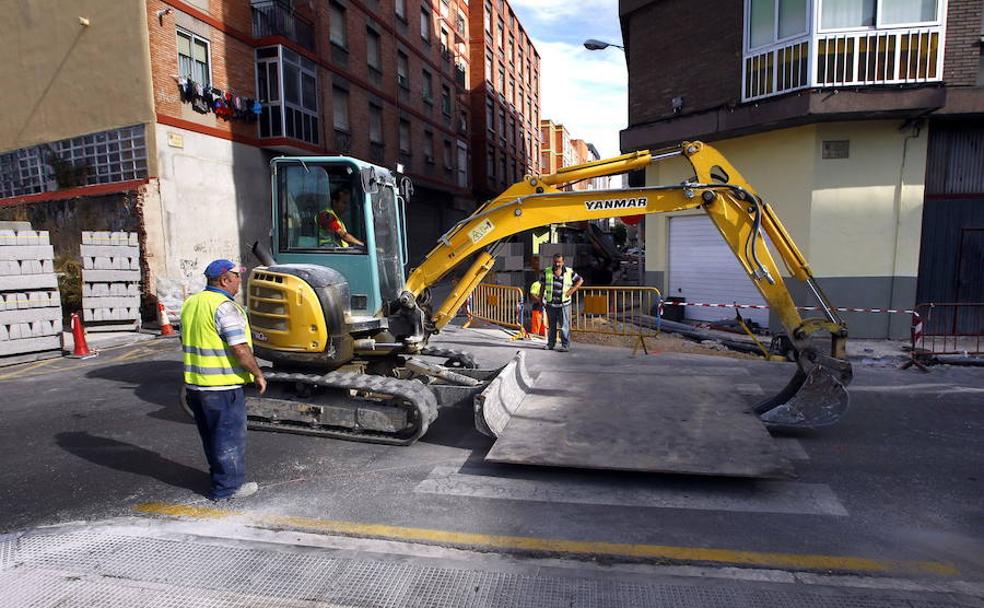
x=164 y=321
x=81 y=350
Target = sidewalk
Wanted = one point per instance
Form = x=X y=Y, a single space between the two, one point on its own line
x=149 y=562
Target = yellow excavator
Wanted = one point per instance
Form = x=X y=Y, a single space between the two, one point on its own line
x=348 y=332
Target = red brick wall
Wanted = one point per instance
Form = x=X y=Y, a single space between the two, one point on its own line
x=963 y=51
x=689 y=48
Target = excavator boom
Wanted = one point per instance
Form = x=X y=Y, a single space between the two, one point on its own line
x=816 y=396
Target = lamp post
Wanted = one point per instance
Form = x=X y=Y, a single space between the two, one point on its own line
x=598 y=45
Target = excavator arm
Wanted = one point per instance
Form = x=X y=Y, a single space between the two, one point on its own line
x=816 y=395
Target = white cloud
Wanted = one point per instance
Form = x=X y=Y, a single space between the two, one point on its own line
x=585 y=90
x=545 y=10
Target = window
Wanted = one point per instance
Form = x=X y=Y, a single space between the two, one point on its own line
x=427 y=92
x=512 y=130
x=340 y=109
x=490 y=115
x=402 y=70
x=512 y=50
x=448 y=155
x=425 y=24
x=445 y=41
x=490 y=163
x=900 y=12
x=500 y=31
x=500 y=85
x=502 y=124
x=446 y=99
x=372 y=50
x=488 y=67
x=401 y=9
x=337 y=33
x=300 y=82
x=511 y=91
x=462 y=164
x=375 y=124
x=429 y=147
x=193 y=58
x=502 y=167
x=404 y=137
x=837 y=14
x=488 y=17
x=305 y=194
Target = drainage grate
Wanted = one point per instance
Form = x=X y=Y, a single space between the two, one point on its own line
x=97 y=568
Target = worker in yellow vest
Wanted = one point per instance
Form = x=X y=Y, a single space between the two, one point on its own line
x=559 y=284
x=331 y=229
x=218 y=360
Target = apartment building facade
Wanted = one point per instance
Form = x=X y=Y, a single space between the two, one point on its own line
x=860 y=121
x=161 y=116
x=505 y=98
x=558 y=149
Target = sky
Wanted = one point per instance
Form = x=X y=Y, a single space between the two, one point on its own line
x=585 y=90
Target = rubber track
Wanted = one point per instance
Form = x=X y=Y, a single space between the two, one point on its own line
x=455 y=358
x=417 y=397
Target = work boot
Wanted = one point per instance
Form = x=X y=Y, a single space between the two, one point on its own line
x=548 y=347
x=563 y=349
x=247 y=489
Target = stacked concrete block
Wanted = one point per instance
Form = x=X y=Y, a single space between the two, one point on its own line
x=110 y=280
x=571 y=252
x=30 y=305
x=509 y=265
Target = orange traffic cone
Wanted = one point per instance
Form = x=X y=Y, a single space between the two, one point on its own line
x=164 y=321
x=81 y=350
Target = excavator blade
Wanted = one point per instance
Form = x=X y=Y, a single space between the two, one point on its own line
x=813 y=398
x=500 y=399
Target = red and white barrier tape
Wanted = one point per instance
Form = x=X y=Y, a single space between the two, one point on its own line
x=764 y=307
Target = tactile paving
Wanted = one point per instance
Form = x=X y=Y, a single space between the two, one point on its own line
x=105 y=569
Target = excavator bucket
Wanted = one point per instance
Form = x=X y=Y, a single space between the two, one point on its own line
x=501 y=398
x=816 y=396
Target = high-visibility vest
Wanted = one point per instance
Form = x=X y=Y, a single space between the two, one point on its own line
x=330 y=238
x=548 y=283
x=208 y=360
x=536 y=288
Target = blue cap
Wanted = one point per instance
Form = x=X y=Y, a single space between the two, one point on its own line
x=219 y=267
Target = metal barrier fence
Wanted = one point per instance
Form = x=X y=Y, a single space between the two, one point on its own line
x=499 y=305
x=948 y=329
x=611 y=310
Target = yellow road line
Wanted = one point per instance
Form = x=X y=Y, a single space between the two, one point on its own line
x=29 y=367
x=558 y=546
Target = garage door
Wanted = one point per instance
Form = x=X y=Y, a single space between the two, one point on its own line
x=703 y=269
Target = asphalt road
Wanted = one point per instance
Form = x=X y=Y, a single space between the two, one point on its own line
x=900 y=480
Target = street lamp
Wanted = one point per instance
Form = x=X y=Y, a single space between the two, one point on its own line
x=598 y=45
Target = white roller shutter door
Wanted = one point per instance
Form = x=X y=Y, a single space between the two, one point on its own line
x=703 y=269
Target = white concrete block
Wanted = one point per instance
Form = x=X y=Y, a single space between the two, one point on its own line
x=31 y=267
x=110 y=251
x=4 y=334
x=87 y=238
x=120 y=238
x=44 y=238
x=47 y=266
x=29 y=315
x=112 y=302
x=103 y=264
x=132 y=240
x=135 y=263
x=133 y=289
x=13 y=226
x=27 y=252
x=27 y=237
x=8 y=237
x=512 y=262
x=29 y=282
x=7 y=268
x=32 y=345
x=111 y=276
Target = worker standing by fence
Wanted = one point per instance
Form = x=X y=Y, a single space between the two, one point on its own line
x=536 y=315
x=559 y=284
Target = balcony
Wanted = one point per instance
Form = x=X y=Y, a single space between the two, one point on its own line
x=277 y=18
x=829 y=55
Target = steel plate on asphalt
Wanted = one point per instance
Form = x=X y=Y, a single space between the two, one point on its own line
x=688 y=424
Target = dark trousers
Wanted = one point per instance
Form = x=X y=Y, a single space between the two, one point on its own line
x=221 y=420
x=559 y=321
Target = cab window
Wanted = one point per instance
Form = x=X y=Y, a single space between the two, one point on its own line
x=321 y=208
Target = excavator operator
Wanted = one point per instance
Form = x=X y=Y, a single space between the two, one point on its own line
x=331 y=228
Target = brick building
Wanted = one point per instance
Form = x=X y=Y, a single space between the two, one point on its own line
x=862 y=122
x=505 y=98
x=170 y=111
x=558 y=149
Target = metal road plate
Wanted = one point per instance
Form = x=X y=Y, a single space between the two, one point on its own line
x=687 y=424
